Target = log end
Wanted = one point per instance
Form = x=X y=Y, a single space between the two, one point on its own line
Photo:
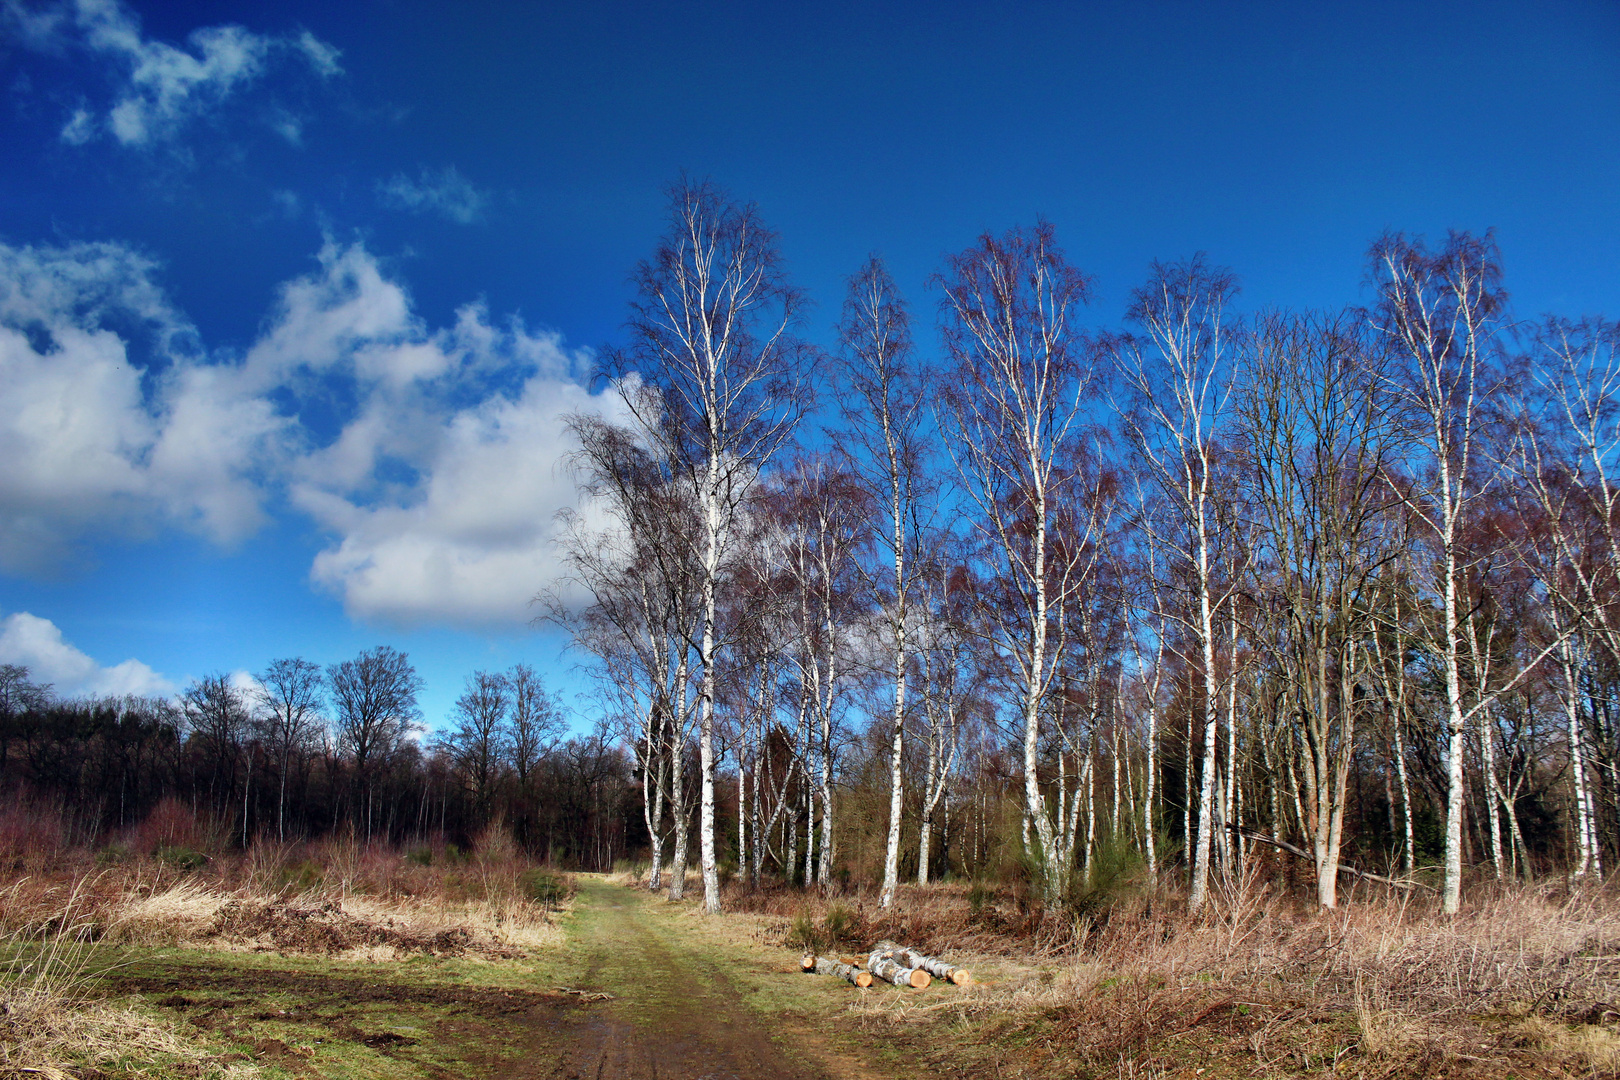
x=920 y=978
x=960 y=977
x=807 y=962
x=863 y=979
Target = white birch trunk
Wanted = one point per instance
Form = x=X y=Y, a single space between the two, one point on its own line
x=1577 y=761
x=706 y=758
x=1149 y=778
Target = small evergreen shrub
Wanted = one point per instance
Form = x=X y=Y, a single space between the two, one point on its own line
x=179 y=856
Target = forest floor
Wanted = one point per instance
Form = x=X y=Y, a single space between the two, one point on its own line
x=626 y=984
x=638 y=988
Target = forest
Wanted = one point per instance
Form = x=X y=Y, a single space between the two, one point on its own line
x=1008 y=592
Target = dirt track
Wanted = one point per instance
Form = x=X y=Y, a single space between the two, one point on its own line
x=641 y=989
x=677 y=1013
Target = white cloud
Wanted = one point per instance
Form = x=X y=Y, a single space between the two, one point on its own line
x=37 y=644
x=439 y=484
x=443 y=488
x=288 y=202
x=160 y=87
x=322 y=56
x=472 y=540
x=80 y=128
x=94 y=443
x=441 y=191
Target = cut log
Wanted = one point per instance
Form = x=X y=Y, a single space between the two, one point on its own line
x=827 y=965
x=887 y=969
x=911 y=958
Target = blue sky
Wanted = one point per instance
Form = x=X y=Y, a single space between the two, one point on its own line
x=294 y=296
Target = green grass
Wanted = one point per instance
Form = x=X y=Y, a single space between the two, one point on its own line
x=344 y=1019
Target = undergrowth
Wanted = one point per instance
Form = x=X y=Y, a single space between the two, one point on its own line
x=339 y=898
x=1119 y=979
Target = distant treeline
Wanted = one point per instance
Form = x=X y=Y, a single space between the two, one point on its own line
x=306 y=752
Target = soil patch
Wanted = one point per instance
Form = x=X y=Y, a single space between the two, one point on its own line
x=326 y=929
x=248 y=986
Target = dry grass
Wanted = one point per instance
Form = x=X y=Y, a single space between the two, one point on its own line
x=337 y=899
x=47 y=1023
x=1525 y=980
x=1386 y=984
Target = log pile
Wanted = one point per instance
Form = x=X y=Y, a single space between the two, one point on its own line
x=888 y=969
x=898 y=964
x=911 y=958
x=827 y=965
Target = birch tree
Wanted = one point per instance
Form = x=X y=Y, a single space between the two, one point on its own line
x=1567 y=457
x=951 y=679
x=1177 y=381
x=710 y=336
x=1017 y=399
x=825 y=516
x=642 y=571
x=884 y=426
x=1439 y=310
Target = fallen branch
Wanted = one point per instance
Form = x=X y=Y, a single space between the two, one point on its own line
x=827 y=965
x=1343 y=869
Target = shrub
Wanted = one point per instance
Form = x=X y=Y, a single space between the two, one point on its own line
x=543 y=886
x=112 y=855
x=302 y=878
x=804 y=934
x=978 y=896
x=839 y=923
x=179 y=856
x=1115 y=873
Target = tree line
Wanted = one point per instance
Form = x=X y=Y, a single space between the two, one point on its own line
x=1335 y=582
x=300 y=751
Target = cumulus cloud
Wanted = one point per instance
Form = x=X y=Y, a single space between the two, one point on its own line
x=442 y=490
x=471 y=540
x=428 y=454
x=160 y=87
x=93 y=442
x=437 y=480
x=435 y=191
x=37 y=644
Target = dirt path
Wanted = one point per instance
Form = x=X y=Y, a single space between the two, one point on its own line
x=678 y=1010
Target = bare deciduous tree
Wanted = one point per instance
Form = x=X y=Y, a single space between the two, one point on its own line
x=1440 y=310
x=1017 y=397
x=1178 y=382
x=374 y=697
x=218 y=713
x=478 y=740
x=1316 y=437
x=289 y=693
x=643 y=572
x=884 y=424
x=710 y=336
